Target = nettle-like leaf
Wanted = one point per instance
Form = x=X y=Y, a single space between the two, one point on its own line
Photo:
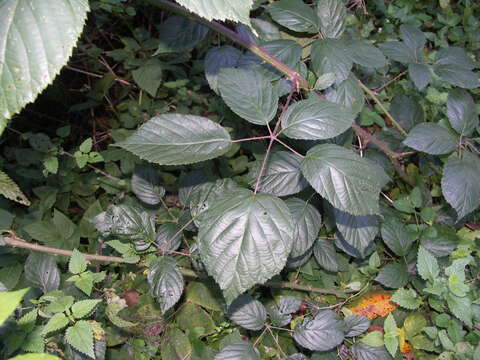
x=247 y=312
x=407 y=298
x=316 y=119
x=242 y=350
x=258 y=105
x=84 y=308
x=218 y=58
x=322 y=333
x=332 y=17
x=42 y=271
x=146 y=185
x=427 y=265
x=294 y=15
x=349 y=182
x=245 y=239
x=57 y=24
x=175 y=139
x=77 y=263
x=56 y=322
x=460 y=185
x=461 y=112
x=166 y=282
x=9 y=188
x=80 y=337
x=238 y=11
x=281 y=176
x=431 y=138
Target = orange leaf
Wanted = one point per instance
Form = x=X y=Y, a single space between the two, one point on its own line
x=405 y=347
x=374 y=305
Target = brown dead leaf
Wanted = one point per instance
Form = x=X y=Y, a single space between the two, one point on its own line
x=374 y=305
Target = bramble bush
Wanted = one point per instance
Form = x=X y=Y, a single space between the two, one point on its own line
x=280 y=179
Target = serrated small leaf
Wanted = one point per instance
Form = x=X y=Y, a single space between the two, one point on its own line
x=10 y=189
x=218 y=58
x=84 y=308
x=149 y=76
x=349 y=182
x=245 y=239
x=247 y=312
x=77 y=263
x=56 y=322
x=427 y=265
x=397 y=236
x=391 y=335
x=42 y=271
x=322 y=333
x=407 y=298
x=317 y=119
x=165 y=281
x=294 y=15
x=242 y=350
x=414 y=39
x=461 y=112
x=289 y=304
x=258 y=105
x=431 y=138
x=454 y=65
x=460 y=185
x=175 y=139
x=356 y=325
x=80 y=337
x=146 y=185
x=325 y=254
x=461 y=307
x=225 y=10
x=331 y=17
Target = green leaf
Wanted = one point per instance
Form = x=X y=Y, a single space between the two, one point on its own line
x=364 y=54
x=461 y=307
x=454 y=65
x=77 y=263
x=427 y=265
x=330 y=56
x=80 y=337
x=247 y=312
x=51 y=44
x=317 y=119
x=393 y=275
x=224 y=10
x=175 y=139
x=431 y=138
x=176 y=34
x=281 y=175
x=10 y=300
x=165 y=281
x=169 y=237
x=406 y=111
x=349 y=182
x=397 y=236
x=242 y=350
x=398 y=51
x=35 y=357
x=356 y=325
x=325 y=254
x=460 y=185
x=357 y=231
x=306 y=222
x=244 y=240
x=205 y=293
x=331 y=17
x=56 y=322
x=294 y=15
x=218 y=58
x=191 y=316
x=391 y=335
x=149 y=76
x=41 y=270
x=414 y=39
x=146 y=185
x=8 y=188
x=84 y=308
x=59 y=304
x=407 y=298
x=322 y=333
x=461 y=112
x=258 y=105
x=420 y=74
x=325 y=81
x=349 y=94
x=175 y=345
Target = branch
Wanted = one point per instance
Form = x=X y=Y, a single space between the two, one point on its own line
x=16 y=242
x=294 y=76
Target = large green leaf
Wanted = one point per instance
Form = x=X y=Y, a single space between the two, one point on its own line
x=146 y=185
x=330 y=56
x=325 y=254
x=9 y=189
x=175 y=139
x=397 y=236
x=218 y=58
x=306 y=225
x=238 y=11
x=166 y=282
x=37 y=39
x=454 y=65
x=281 y=176
x=241 y=350
x=245 y=239
x=461 y=112
x=179 y=34
x=258 y=105
x=42 y=271
x=460 y=183
x=316 y=119
x=331 y=17
x=348 y=93
x=349 y=182
x=393 y=275
x=10 y=300
x=322 y=333
x=247 y=312
x=431 y=138
x=362 y=53
x=294 y=15
x=420 y=74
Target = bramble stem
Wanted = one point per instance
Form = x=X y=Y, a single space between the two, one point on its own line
x=251 y=139
x=289 y=148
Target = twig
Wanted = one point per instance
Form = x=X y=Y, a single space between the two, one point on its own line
x=388 y=83
x=251 y=139
x=124 y=82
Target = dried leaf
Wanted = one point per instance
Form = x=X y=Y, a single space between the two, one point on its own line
x=374 y=305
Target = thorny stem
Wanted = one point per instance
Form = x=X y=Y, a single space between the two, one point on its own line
x=16 y=242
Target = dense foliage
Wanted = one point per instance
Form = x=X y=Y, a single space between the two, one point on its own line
x=280 y=179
